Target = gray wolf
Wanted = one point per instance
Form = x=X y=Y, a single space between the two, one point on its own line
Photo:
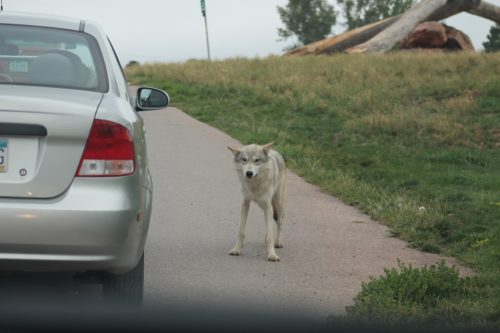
x=262 y=175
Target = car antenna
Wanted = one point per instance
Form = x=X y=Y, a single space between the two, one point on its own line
x=1 y=5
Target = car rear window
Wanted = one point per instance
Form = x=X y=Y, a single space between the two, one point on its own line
x=50 y=57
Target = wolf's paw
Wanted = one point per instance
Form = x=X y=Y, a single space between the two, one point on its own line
x=273 y=257
x=278 y=244
x=236 y=251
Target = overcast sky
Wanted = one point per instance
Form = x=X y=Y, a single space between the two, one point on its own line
x=174 y=30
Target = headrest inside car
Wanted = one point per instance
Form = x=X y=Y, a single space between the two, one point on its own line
x=52 y=69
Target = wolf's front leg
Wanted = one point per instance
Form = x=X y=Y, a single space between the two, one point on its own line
x=236 y=251
x=268 y=213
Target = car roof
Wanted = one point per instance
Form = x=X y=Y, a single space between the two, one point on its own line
x=42 y=20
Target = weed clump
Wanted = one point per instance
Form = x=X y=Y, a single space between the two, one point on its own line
x=432 y=295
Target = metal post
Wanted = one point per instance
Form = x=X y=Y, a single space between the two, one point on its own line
x=204 y=13
x=208 y=44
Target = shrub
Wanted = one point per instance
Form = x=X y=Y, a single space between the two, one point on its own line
x=413 y=294
x=133 y=63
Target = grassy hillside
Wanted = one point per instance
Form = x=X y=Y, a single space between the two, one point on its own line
x=411 y=139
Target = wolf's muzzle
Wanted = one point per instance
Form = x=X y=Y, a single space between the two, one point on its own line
x=249 y=174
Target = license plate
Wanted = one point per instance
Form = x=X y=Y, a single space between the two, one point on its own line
x=18 y=66
x=4 y=149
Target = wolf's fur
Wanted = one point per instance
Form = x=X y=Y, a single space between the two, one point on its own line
x=262 y=174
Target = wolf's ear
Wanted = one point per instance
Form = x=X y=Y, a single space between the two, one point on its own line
x=234 y=150
x=267 y=147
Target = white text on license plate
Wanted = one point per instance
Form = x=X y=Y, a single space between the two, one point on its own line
x=4 y=143
x=18 y=66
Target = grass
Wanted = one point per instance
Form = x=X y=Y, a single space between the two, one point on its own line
x=410 y=292
x=412 y=139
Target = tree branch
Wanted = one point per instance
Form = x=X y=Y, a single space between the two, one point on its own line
x=340 y=43
x=486 y=10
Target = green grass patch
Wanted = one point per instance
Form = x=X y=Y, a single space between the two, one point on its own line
x=429 y=294
x=428 y=298
x=411 y=139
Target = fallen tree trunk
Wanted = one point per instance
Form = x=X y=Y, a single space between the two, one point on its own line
x=383 y=36
x=423 y=11
x=395 y=33
x=342 y=42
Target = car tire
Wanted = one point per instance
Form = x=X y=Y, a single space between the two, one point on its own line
x=125 y=288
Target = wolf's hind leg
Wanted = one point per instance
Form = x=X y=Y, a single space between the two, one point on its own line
x=278 y=215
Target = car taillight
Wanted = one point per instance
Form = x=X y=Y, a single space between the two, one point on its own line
x=109 y=151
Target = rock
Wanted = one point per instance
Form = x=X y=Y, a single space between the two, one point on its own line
x=437 y=35
x=426 y=35
x=457 y=40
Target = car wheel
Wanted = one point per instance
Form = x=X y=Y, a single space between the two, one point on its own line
x=125 y=288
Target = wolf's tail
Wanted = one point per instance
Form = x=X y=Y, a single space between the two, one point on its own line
x=275 y=212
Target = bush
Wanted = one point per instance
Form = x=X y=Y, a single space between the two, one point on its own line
x=411 y=294
x=493 y=42
x=133 y=63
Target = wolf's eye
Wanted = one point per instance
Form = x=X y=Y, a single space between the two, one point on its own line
x=257 y=160
x=244 y=160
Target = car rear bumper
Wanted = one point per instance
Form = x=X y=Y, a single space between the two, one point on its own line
x=97 y=224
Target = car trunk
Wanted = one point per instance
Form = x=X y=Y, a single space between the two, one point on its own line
x=43 y=132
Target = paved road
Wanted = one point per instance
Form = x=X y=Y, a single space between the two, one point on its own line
x=330 y=247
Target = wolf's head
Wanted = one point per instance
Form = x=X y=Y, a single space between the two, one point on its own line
x=249 y=159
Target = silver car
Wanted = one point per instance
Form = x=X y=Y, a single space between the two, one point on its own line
x=75 y=187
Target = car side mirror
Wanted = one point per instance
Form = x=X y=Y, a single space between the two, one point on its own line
x=151 y=99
